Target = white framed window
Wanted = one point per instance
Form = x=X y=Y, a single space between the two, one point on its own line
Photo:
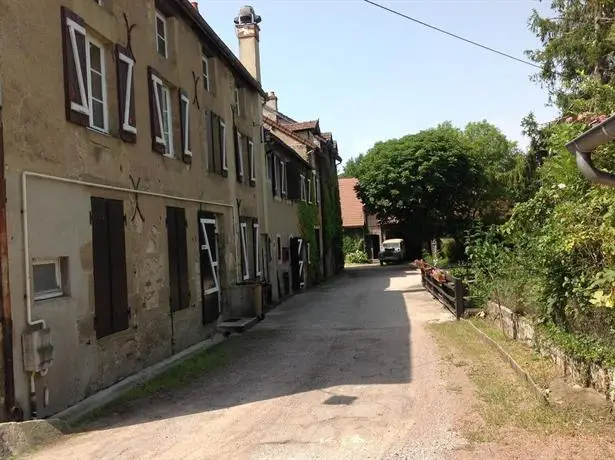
x=163 y=100
x=240 y=154
x=185 y=109
x=277 y=165
x=303 y=191
x=96 y=84
x=284 y=179
x=237 y=102
x=309 y=190
x=252 y=162
x=161 y=34
x=269 y=160
x=205 y=60
x=245 y=266
x=223 y=145
x=47 y=279
x=317 y=187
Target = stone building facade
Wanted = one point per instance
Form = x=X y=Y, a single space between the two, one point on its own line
x=140 y=211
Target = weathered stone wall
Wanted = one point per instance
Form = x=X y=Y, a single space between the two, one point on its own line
x=38 y=138
x=585 y=374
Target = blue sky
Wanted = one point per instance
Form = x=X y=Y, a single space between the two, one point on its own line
x=369 y=75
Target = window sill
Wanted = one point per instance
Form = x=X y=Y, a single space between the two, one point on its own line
x=50 y=298
x=119 y=335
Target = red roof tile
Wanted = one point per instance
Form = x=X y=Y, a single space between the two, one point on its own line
x=284 y=128
x=352 y=208
x=303 y=125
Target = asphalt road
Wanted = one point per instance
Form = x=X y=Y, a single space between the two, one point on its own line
x=343 y=371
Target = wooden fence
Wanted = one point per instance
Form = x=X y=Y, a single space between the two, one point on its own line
x=450 y=291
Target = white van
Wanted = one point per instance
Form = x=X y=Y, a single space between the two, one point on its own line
x=392 y=251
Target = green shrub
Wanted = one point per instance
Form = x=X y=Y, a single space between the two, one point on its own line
x=353 y=244
x=357 y=257
x=452 y=250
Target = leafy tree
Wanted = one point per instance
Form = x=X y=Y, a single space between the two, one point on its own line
x=351 y=168
x=428 y=181
x=578 y=42
x=498 y=158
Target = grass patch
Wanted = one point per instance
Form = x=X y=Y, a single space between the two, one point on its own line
x=503 y=399
x=177 y=376
x=539 y=367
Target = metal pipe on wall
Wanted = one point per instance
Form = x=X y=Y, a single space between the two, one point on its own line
x=24 y=208
x=12 y=410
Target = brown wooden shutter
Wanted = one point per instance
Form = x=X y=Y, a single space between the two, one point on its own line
x=155 y=112
x=117 y=255
x=292 y=171
x=238 y=173
x=209 y=124
x=215 y=157
x=126 y=94
x=172 y=254
x=272 y=168
x=75 y=71
x=182 y=258
x=103 y=321
x=184 y=120
x=179 y=293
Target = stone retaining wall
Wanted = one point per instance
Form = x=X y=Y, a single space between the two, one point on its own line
x=587 y=375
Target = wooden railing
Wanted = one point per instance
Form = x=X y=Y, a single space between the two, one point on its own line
x=450 y=291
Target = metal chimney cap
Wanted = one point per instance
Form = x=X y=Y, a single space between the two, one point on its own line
x=247 y=16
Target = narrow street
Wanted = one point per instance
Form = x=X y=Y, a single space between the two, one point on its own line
x=344 y=371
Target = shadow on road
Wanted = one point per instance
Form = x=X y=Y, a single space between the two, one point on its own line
x=351 y=331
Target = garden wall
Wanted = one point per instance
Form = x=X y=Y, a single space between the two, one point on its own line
x=583 y=373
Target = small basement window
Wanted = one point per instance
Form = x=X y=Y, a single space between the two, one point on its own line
x=48 y=278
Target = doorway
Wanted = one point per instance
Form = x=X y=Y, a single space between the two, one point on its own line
x=372 y=246
x=210 y=268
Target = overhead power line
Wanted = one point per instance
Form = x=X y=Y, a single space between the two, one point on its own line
x=450 y=34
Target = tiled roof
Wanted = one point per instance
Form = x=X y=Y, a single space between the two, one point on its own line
x=352 y=208
x=288 y=132
x=303 y=125
x=590 y=119
x=277 y=140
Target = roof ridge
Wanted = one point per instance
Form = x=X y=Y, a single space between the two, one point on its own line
x=288 y=132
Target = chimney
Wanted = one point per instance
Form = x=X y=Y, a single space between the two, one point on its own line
x=247 y=29
x=272 y=104
x=195 y=5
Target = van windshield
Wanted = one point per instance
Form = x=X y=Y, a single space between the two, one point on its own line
x=391 y=245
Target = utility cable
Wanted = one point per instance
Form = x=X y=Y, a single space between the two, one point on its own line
x=458 y=37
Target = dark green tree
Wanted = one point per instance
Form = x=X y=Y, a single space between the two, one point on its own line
x=578 y=42
x=351 y=168
x=428 y=182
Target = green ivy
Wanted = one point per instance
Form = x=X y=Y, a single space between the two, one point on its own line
x=332 y=217
x=587 y=349
x=308 y=219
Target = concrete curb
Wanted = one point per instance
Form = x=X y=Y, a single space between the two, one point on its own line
x=19 y=437
x=522 y=373
x=103 y=397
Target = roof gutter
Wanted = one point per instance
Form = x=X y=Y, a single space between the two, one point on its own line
x=583 y=146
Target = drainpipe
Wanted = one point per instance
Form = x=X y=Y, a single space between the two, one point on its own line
x=14 y=412
x=583 y=146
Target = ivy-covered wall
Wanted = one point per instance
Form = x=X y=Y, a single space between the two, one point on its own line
x=308 y=219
